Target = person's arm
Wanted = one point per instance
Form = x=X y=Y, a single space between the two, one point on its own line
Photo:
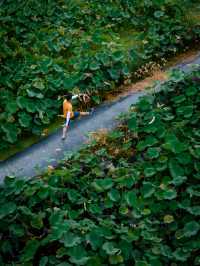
x=67 y=119
x=75 y=96
x=82 y=96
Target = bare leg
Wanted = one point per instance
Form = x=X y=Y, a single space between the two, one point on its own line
x=84 y=113
x=64 y=132
x=65 y=127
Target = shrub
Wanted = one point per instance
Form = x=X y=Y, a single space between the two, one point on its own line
x=131 y=197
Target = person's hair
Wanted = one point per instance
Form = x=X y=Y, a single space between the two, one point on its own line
x=68 y=96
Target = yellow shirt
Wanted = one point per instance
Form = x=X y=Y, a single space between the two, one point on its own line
x=67 y=107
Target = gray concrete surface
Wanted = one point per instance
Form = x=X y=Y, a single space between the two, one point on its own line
x=49 y=151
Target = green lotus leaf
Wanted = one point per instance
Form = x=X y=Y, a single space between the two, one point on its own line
x=57 y=68
x=163 y=159
x=25 y=119
x=39 y=84
x=126 y=181
x=123 y=210
x=147 y=190
x=94 y=66
x=103 y=184
x=197 y=261
x=173 y=144
x=115 y=259
x=191 y=228
x=179 y=180
x=22 y=102
x=141 y=263
x=31 y=106
x=37 y=221
x=177 y=76
x=149 y=171
x=11 y=131
x=148 y=142
x=70 y=240
x=30 y=250
x=44 y=192
x=180 y=255
x=57 y=83
x=153 y=153
x=106 y=183
x=7 y=208
x=16 y=229
x=194 y=190
x=73 y=195
x=114 y=73
x=45 y=65
x=25 y=210
x=191 y=91
x=118 y=56
x=96 y=99
x=197 y=166
x=179 y=234
x=95 y=240
x=94 y=260
x=131 y=199
x=144 y=105
x=114 y=195
x=78 y=255
x=125 y=70
x=197 y=132
x=69 y=82
x=104 y=58
x=12 y=107
x=195 y=210
x=95 y=209
x=169 y=194
x=110 y=249
x=27 y=104
x=175 y=169
x=158 y=14
x=184 y=158
x=61 y=252
x=132 y=122
x=160 y=166
x=197 y=151
x=135 y=56
x=148 y=235
x=179 y=99
x=43 y=261
x=186 y=111
x=115 y=134
x=32 y=94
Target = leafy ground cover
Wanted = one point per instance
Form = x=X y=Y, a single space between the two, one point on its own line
x=153 y=74
x=48 y=49
x=131 y=197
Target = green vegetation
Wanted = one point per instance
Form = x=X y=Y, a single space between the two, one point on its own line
x=49 y=48
x=129 y=198
x=28 y=140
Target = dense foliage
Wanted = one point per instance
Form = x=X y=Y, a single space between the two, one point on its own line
x=49 y=47
x=131 y=197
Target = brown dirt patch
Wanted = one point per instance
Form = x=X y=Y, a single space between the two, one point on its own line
x=125 y=90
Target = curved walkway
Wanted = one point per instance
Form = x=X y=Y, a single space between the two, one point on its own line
x=49 y=151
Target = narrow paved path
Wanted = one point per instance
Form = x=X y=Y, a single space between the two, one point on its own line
x=49 y=151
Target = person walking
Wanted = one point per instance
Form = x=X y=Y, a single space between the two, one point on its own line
x=68 y=113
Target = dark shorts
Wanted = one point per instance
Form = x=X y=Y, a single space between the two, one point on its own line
x=76 y=115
